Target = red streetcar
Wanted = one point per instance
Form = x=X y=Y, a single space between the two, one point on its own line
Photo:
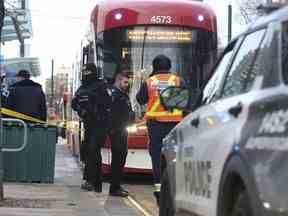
x=128 y=34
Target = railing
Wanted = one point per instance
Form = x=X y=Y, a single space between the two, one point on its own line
x=25 y=136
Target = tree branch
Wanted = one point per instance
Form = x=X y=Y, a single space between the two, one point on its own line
x=248 y=9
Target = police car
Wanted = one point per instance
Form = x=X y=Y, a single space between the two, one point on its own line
x=229 y=157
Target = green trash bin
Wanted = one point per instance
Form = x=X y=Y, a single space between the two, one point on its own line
x=37 y=161
x=15 y=166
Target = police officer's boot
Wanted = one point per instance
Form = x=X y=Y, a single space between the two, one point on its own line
x=87 y=186
x=98 y=188
x=118 y=191
x=157 y=188
x=91 y=187
x=157 y=197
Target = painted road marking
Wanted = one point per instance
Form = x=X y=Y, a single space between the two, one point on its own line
x=138 y=206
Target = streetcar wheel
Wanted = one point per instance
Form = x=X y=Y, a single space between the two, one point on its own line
x=166 y=207
x=242 y=206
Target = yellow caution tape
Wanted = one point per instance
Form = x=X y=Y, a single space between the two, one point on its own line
x=21 y=116
x=70 y=126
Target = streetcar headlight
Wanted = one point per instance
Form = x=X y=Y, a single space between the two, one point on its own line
x=118 y=16
x=266 y=205
x=201 y=18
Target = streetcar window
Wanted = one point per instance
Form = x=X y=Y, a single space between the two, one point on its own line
x=192 y=52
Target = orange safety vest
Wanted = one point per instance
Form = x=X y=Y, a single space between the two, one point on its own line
x=155 y=111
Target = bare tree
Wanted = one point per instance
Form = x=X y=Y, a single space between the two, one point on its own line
x=248 y=10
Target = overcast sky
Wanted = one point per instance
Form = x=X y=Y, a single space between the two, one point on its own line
x=221 y=9
x=59 y=26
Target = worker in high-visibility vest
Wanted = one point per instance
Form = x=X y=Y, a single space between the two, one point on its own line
x=159 y=121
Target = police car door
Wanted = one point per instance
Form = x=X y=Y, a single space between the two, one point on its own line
x=191 y=191
x=216 y=126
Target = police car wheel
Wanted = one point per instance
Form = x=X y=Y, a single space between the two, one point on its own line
x=166 y=207
x=242 y=205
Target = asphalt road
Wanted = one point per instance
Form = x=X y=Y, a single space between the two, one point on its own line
x=140 y=188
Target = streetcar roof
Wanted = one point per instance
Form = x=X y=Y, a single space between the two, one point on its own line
x=138 y=12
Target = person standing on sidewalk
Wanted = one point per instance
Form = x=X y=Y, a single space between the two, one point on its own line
x=27 y=97
x=92 y=101
x=121 y=115
x=159 y=122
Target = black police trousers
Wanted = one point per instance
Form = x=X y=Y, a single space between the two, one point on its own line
x=119 y=150
x=93 y=160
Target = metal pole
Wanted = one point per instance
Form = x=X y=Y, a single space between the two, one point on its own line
x=52 y=84
x=22 y=49
x=22 y=43
x=229 y=22
x=2 y=15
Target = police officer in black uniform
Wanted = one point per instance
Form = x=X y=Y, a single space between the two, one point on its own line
x=92 y=101
x=121 y=115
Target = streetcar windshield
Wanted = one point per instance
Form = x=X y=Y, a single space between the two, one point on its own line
x=192 y=53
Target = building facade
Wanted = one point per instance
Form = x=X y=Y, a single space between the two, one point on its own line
x=61 y=83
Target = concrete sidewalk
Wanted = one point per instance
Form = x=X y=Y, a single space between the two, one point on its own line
x=64 y=197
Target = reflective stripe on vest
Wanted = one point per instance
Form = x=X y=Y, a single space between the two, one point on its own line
x=157 y=187
x=155 y=110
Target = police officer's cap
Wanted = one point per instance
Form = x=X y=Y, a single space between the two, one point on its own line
x=161 y=62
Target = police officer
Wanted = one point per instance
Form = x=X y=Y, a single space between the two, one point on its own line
x=159 y=122
x=92 y=101
x=121 y=115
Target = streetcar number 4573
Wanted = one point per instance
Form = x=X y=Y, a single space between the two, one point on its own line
x=161 y=19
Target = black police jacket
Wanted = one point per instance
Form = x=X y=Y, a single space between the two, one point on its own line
x=121 y=110
x=92 y=101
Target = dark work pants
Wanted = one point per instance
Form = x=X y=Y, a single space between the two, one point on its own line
x=157 y=131
x=119 y=153
x=93 y=161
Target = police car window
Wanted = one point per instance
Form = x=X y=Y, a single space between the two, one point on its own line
x=214 y=84
x=238 y=80
x=285 y=51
